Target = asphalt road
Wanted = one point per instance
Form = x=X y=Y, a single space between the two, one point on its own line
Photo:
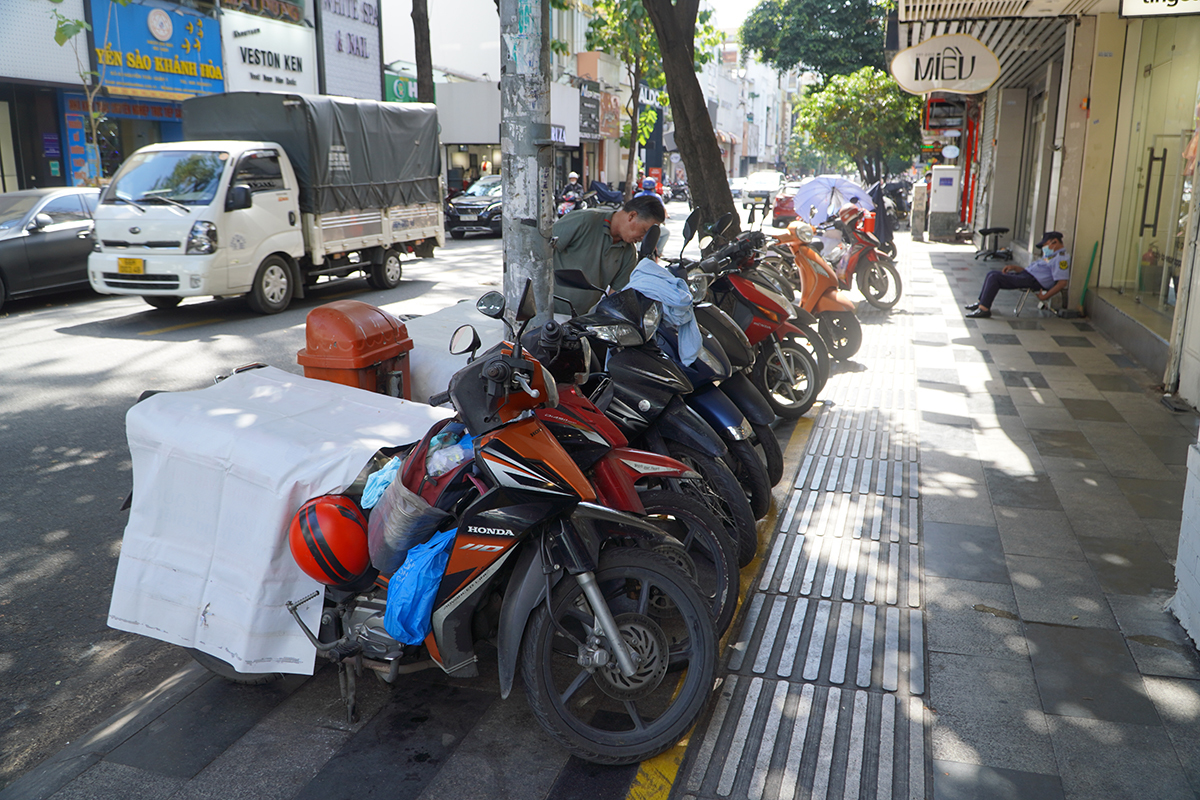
x=72 y=365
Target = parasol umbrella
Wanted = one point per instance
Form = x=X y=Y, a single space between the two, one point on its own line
x=828 y=193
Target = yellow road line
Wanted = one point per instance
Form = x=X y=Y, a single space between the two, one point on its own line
x=656 y=775
x=181 y=327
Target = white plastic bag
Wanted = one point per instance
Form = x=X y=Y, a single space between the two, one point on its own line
x=400 y=520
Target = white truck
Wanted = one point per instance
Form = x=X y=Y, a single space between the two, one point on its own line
x=268 y=193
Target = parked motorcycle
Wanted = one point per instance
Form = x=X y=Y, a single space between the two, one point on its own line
x=615 y=644
x=647 y=402
x=821 y=292
x=860 y=259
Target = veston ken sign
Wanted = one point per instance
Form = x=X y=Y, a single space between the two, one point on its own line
x=954 y=63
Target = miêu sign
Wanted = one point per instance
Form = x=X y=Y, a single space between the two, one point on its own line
x=1159 y=8
x=953 y=63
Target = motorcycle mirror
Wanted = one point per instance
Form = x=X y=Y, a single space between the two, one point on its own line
x=491 y=305
x=689 y=225
x=527 y=307
x=724 y=223
x=649 y=242
x=575 y=279
x=465 y=339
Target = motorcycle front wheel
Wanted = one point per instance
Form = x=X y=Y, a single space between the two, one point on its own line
x=879 y=282
x=791 y=383
x=599 y=714
x=842 y=333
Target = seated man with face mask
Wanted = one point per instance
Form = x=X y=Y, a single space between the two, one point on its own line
x=1048 y=275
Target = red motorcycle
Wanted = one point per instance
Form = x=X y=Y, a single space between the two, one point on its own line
x=861 y=259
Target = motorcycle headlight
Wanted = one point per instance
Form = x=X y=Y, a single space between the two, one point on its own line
x=698 y=281
x=203 y=239
x=622 y=334
x=650 y=320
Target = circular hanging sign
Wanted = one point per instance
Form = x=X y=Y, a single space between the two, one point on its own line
x=952 y=134
x=950 y=151
x=954 y=63
x=675 y=158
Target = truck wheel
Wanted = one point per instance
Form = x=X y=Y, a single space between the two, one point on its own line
x=162 y=303
x=386 y=274
x=272 y=287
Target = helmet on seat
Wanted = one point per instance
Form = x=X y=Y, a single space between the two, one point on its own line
x=328 y=539
x=849 y=212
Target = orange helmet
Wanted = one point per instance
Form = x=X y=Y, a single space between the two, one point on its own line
x=328 y=539
x=849 y=212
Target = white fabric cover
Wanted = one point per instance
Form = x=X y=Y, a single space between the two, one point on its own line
x=218 y=474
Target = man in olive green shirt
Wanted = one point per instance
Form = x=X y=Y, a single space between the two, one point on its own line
x=602 y=244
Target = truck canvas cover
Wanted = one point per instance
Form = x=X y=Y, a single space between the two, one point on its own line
x=348 y=154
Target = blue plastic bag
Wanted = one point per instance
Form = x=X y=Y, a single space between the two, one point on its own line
x=411 y=591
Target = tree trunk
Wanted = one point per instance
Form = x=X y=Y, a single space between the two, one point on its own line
x=635 y=81
x=675 y=26
x=424 y=56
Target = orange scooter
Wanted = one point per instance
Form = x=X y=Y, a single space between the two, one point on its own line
x=820 y=293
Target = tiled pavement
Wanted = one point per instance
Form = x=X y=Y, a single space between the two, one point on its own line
x=963 y=599
x=965 y=595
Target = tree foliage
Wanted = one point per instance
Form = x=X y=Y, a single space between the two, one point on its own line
x=829 y=37
x=865 y=117
x=622 y=29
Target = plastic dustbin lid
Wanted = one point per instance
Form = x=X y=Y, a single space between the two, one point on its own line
x=348 y=334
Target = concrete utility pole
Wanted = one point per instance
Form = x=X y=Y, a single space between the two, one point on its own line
x=527 y=149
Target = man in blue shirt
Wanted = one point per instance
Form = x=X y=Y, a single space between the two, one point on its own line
x=1048 y=275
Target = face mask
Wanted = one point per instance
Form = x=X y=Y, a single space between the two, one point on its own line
x=1048 y=251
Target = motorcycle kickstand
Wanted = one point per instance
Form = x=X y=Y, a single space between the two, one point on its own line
x=349 y=687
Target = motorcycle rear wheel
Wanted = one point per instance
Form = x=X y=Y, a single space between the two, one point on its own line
x=842 y=333
x=224 y=669
x=724 y=496
x=602 y=716
x=713 y=553
x=879 y=282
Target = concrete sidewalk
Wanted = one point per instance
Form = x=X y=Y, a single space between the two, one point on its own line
x=962 y=598
x=965 y=595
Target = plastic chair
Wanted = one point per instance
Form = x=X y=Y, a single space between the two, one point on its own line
x=1041 y=303
x=994 y=252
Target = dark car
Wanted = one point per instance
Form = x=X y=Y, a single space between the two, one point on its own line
x=45 y=239
x=477 y=210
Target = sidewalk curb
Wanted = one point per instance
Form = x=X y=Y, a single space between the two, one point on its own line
x=78 y=757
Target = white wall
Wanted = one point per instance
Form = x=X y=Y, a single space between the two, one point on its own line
x=27 y=48
x=470 y=113
x=464 y=35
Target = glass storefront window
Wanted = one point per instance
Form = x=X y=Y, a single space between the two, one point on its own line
x=1157 y=195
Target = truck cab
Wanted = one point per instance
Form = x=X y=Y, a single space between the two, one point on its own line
x=187 y=219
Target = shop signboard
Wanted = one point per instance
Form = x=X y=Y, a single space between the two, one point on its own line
x=286 y=10
x=401 y=88
x=27 y=50
x=589 y=110
x=349 y=33
x=1159 y=8
x=610 y=116
x=955 y=63
x=266 y=55
x=149 y=51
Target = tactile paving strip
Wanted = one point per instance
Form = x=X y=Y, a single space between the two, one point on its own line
x=822 y=694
